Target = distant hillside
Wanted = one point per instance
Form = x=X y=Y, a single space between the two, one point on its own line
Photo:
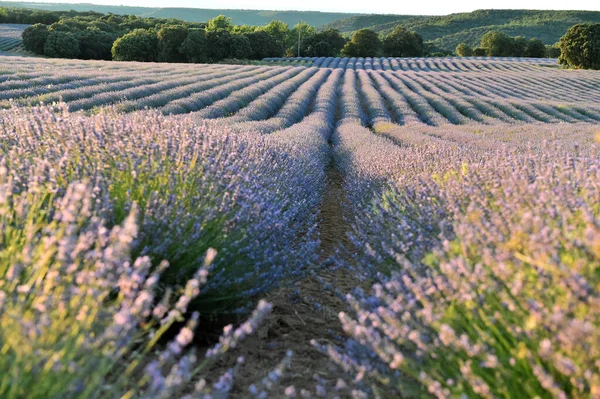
x=239 y=17
x=449 y=30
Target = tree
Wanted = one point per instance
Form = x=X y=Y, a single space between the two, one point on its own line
x=34 y=38
x=263 y=45
x=580 y=47
x=535 y=48
x=403 y=43
x=328 y=43
x=138 y=45
x=218 y=44
x=220 y=22
x=364 y=43
x=519 y=46
x=240 y=47
x=497 y=44
x=464 y=50
x=95 y=44
x=193 y=47
x=61 y=45
x=278 y=31
x=170 y=38
x=302 y=31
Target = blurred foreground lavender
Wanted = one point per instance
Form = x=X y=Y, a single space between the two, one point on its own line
x=117 y=227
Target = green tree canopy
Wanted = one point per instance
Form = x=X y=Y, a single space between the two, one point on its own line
x=464 y=50
x=519 y=47
x=240 y=47
x=280 y=32
x=34 y=38
x=580 y=47
x=403 y=43
x=95 y=44
x=552 y=51
x=497 y=44
x=218 y=43
x=327 y=43
x=364 y=43
x=218 y=23
x=61 y=45
x=263 y=45
x=170 y=39
x=193 y=47
x=535 y=48
x=138 y=45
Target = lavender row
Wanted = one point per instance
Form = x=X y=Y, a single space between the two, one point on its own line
x=483 y=246
x=165 y=97
x=170 y=81
x=240 y=93
x=197 y=187
x=62 y=265
x=298 y=106
x=269 y=103
x=446 y=64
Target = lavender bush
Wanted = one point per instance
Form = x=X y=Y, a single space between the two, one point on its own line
x=80 y=316
x=505 y=301
x=197 y=188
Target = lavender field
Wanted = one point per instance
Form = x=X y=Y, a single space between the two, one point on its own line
x=369 y=227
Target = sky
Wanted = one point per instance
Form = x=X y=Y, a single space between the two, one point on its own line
x=431 y=7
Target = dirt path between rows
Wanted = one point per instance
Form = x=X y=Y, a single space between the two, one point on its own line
x=301 y=313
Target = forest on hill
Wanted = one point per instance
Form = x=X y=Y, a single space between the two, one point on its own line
x=447 y=31
x=238 y=17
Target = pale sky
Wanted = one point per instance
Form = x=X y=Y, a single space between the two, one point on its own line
x=431 y=7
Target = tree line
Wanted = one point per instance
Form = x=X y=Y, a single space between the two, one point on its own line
x=499 y=44
x=93 y=35
x=578 y=48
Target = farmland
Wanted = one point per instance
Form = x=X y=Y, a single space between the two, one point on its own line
x=10 y=36
x=403 y=227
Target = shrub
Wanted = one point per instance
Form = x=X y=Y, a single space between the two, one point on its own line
x=552 y=51
x=580 y=47
x=61 y=45
x=81 y=317
x=479 y=52
x=464 y=50
x=139 y=45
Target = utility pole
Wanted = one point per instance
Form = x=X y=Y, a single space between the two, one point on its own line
x=299 y=33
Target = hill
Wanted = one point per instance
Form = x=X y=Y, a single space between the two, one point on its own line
x=449 y=30
x=239 y=17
